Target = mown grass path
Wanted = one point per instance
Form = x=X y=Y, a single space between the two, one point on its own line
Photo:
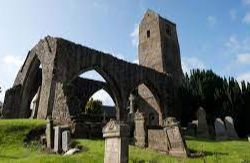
x=12 y=149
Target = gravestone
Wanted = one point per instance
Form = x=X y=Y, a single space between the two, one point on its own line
x=177 y=143
x=220 y=130
x=202 y=127
x=49 y=133
x=66 y=140
x=57 y=140
x=231 y=133
x=116 y=142
x=140 y=134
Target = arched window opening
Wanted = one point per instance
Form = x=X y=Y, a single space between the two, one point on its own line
x=144 y=100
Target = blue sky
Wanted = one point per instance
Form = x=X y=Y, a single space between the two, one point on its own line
x=213 y=34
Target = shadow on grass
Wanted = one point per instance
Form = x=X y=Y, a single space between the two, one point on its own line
x=9 y=157
x=77 y=144
x=200 y=154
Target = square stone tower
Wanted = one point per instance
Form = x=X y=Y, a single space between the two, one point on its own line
x=158 y=45
x=159 y=50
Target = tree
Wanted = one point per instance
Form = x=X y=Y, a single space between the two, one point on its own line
x=94 y=107
x=219 y=96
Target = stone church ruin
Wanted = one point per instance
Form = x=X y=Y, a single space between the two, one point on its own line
x=49 y=79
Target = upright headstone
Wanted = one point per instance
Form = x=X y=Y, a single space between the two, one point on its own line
x=177 y=142
x=116 y=142
x=66 y=140
x=231 y=133
x=220 y=130
x=140 y=134
x=57 y=140
x=202 y=128
x=49 y=133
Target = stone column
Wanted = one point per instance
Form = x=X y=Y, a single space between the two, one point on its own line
x=116 y=142
x=140 y=134
x=177 y=142
x=49 y=133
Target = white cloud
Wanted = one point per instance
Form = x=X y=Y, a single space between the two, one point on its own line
x=246 y=2
x=12 y=60
x=244 y=76
x=233 y=14
x=237 y=46
x=211 y=21
x=246 y=18
x=9 y=66
x=135 y=35
x=104 y=97
x=191 y=63
x=243 y=58
x=92 y=74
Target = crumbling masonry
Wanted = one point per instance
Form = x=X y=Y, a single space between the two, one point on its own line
x=52 y=67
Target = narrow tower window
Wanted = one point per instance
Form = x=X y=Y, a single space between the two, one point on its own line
x=148 y=33
x=168 y=30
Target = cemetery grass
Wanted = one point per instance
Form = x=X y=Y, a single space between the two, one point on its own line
x=13 y=148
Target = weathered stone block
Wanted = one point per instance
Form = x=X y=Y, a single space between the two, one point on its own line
x=231 y=133
x=57 y=140
x=140 y=134
x=116 y=142
x=220 y=129
x=202 y=128
x=177 y=142
x=66 y=140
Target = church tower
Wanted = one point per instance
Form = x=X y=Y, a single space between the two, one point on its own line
x=159 y=50
x=158 y=45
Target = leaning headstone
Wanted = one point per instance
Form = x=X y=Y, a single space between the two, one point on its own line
x=231 y=133
x=177 y=142
x=220 y=130
x=49 y=133
x=57 y=140
x=66 y=140
x=202 y=128
x=140 y=134
x=116 y=142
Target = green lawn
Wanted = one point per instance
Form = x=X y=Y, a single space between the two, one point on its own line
x=12 y=149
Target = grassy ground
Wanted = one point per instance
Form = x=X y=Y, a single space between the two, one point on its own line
x=12 y=149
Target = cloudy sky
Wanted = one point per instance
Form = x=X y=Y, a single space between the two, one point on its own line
x=213 y=34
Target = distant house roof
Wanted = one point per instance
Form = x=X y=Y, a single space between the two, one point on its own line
x=109 y=110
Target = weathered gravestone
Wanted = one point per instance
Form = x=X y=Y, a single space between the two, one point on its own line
x=66 y=140
x=116 y=142
x=220 y=129
x=177 y=144
x=202 y=128
x=231 y=133
x=49 y=133
x=57 y=140
x=140 y=134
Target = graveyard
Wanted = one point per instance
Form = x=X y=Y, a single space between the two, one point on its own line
x=156 y=108
x=12 y=148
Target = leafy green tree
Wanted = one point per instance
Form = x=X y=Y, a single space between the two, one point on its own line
x=94 y=107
